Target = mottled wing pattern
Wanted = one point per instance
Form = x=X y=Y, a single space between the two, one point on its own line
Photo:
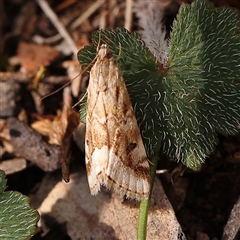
x=115 y=155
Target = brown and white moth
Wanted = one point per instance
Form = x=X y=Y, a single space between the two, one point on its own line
x=115 y=154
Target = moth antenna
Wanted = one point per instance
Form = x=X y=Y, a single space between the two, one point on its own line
x=65 y=85
x=119 y=53
x=99 y=40
x=78 y=102
x=91 y=63
x=62 y=87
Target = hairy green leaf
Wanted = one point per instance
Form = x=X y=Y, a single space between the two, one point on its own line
x=203 y=81
x=17 y=219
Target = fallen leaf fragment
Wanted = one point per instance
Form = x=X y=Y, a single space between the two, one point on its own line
x=105 y=216
x=13 y=165
x=60 y=130
x=32 y=56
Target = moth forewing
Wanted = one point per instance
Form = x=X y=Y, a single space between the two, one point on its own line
x=115 y=154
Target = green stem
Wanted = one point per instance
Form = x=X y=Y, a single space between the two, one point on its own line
x=144 y=205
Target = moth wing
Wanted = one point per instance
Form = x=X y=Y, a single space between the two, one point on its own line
x=96 y=159
x=96 y=141
x=115 y=155
x=127 y=170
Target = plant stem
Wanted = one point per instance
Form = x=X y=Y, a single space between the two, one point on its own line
x=144 y=205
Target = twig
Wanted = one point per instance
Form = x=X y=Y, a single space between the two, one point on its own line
x=128 y=14
x=76 y=23
x=231 y=230
x=41 y=40
x=87 y=14
x=112 y=8
x=59 y=26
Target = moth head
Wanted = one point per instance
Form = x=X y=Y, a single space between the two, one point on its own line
x=104 y=52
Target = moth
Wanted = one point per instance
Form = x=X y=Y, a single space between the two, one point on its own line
x=115 y=154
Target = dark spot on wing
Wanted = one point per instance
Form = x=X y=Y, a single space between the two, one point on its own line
x=131 y=147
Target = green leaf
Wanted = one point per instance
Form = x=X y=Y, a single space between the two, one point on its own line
x=203 y=87
x=17 y=219
x=181 y=110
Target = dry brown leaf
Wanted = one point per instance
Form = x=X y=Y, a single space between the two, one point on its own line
x=13 y=165
x=65 y=120
x=53 y=129
x=103 y=216
x=60 y=130
x=32 y=56
x=44 y=126
x=5 y=139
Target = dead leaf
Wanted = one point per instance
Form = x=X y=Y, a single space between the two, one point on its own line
x=32 y=56
x=103 y=216
x=60 y=130
x=5 y=139
x=13 y=165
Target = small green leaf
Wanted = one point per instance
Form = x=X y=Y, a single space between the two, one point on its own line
x=17 y=219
